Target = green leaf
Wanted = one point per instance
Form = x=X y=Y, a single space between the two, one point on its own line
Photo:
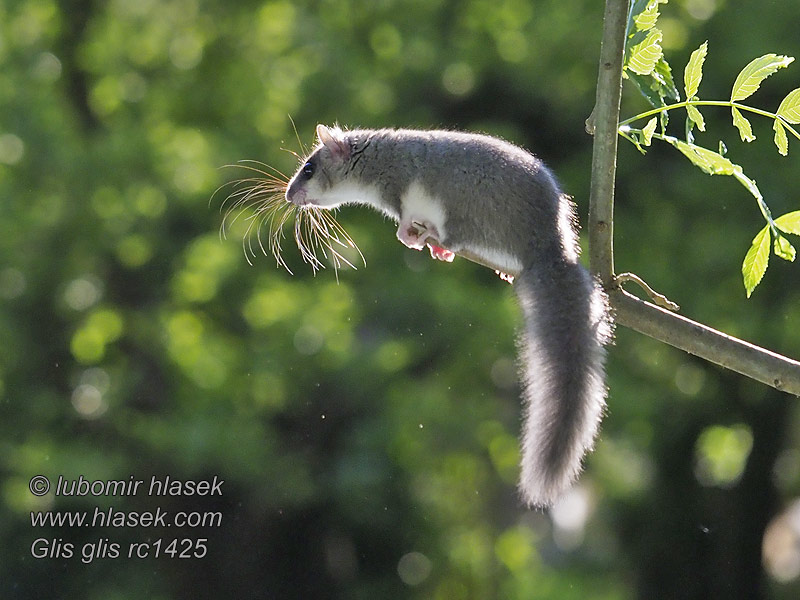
x=646 y=54
x=719 y=164
x=750 y=78
x=647 y=18
x=696 y=117
x=743 y=125
x=637 y=8
x=649 y=130
x=634 y=137
x=789 y=110
x=648 y=87
x=784 y=249
x=662 y=73
x=657 y=85
x=789 y=223
x=756 y=261
x=781 y=141
x=693 y=73
x=640 y=7
x=707 y=160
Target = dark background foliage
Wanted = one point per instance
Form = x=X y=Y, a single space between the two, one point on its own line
x=366 y=430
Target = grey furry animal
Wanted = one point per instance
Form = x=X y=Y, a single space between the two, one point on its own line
x=458 y=192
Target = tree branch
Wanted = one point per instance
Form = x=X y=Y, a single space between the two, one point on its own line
x=695 y=338
x=762 y=365
x=605 y=121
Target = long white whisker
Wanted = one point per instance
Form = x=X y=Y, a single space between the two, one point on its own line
x=259 y=201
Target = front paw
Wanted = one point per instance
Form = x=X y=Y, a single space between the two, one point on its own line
x=414 y=233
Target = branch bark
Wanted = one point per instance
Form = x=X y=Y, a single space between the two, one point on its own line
x=695 y=338
x=605 y=122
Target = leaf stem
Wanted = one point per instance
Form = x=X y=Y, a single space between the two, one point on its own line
x=723 y=103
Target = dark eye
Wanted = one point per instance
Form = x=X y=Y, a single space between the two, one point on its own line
x=308 y=169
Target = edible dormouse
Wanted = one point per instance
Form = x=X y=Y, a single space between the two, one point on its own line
x=468 y=193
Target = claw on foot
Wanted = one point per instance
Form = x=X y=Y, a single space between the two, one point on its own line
x=505 y=276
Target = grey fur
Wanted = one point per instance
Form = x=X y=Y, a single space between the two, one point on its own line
x=478 y=193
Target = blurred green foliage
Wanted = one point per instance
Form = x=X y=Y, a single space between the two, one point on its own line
x=366 y=430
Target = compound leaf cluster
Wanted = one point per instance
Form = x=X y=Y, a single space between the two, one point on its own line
x=647 y=68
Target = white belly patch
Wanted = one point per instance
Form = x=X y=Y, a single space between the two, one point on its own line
x=418 y=205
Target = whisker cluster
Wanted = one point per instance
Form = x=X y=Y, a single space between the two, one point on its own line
x=260 y=200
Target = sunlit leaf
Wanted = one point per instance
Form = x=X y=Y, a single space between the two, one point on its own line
x=688 y=151
x=649 y=130
x=719 y=164
x=789 y=109
x=647 y=18
x=756 y=261
x=784 y=249
x=743 y=125
x=646 y=53
x=696 y=117
x=641 y=13
x=709 y=161
x=781 y=141
x=693 y=73
x=658 y=85
x=750 y=78
x=789 y=223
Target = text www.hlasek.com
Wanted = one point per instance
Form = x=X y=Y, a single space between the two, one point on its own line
x=111 y=517
x=106 y=548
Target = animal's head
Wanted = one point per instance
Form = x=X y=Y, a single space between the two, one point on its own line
x=310 y=193
x=322 y=180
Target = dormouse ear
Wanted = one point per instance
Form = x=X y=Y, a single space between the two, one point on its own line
x=332 y=139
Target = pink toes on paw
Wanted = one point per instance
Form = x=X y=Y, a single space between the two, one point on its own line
x=441 y=254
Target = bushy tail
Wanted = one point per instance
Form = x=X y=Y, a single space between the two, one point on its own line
x=562 y=352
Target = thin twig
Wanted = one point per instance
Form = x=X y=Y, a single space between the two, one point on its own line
x=658 y=299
